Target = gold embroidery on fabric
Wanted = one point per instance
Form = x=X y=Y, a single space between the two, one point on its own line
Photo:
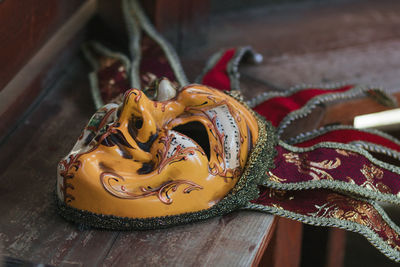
x=276 y=193
x=275 y=178
x=277 y=206
x=312 y=168
x=358 y=212
x=345 y=153
x=350 y=180
x=371 y=173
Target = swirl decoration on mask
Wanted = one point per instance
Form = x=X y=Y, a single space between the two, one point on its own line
x=109 y=180
x=125 y=170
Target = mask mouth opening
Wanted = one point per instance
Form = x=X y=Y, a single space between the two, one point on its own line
x=197 y=132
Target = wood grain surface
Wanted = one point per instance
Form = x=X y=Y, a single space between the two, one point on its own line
x=25 y=26
x=285 y=246
x=43 y=65
x=341 y=40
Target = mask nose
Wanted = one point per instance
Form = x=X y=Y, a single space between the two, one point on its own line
x=137 y=124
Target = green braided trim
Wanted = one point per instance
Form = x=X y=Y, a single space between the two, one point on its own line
x=371 y=236
x=359 y=143
x=349 y=147
x=94 y=85
x=284 y=93
x=232 y=68
x=323 y=130
x=338 y=185
x=233 y=65
x=169 y=51
x=312 y=103
x=246 y=189
x=134 y=34
x=209 y=65
x=377 y=148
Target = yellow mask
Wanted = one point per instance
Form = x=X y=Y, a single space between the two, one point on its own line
x=181 y=153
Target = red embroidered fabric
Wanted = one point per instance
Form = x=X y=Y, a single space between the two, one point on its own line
x=217 y=76
x=321 y=206
x=112 y=81
x=276 y=108
x=332 y=164
x=154 y=61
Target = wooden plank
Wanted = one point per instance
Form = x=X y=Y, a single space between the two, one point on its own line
x=233 y=239
x=183 y=23
x=374 y=63
x=285 y=246
x=30 y=227
x=347 y=41
x=266 y=244
x=25 y=27
x=297 y=29
x=344 y=113
x=42 y=69
x=336 y=243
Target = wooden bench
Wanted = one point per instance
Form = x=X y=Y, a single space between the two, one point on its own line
x=303 y=42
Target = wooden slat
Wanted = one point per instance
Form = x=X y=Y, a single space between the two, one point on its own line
x=24 y=27
x=30 y=227
x=285 y=246
x=336 y=243
x=298 y=29
x=230 y=240
x=43 y=67
x=183 y=23
x=345 y=112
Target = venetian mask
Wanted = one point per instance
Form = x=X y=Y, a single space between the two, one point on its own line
x=149 y=158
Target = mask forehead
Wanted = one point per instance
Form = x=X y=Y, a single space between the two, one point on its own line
x=140 y=164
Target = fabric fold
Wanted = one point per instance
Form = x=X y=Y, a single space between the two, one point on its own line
x=339 y=167
x=369 y=139
x=222 y=69
x=323 y=207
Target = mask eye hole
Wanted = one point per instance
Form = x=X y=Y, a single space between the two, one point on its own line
x=138 y=122
x=134 y=125
x=197 y=132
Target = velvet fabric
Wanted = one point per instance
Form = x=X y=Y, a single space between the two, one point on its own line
x=276 y=108
x=329 y=208
x=112 y=80
x=333 y=164
x=217 y=76
x=154 y=61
